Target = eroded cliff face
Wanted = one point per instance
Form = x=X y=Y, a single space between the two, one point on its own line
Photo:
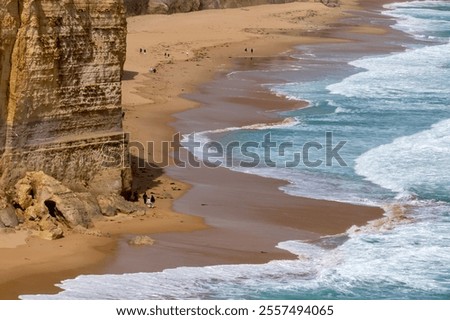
x=63 y=154
x=9 y=25
x=60 y=89
x=139 y=7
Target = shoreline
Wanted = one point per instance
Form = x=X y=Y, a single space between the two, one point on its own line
x=151 y=102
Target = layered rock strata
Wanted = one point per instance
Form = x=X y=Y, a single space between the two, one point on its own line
x=60 y=89
x=61 y=63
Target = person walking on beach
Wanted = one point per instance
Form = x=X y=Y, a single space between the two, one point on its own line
x=152 y=201
x=145 y=197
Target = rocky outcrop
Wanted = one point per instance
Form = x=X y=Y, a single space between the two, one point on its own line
x=42 y=197
x=8 y=218
x=46 y=205
x=137 y=7
x=172 y=6
x=331 y=3
x=60 y=89
x=111 y=205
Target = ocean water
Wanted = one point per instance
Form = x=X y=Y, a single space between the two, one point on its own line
x=393 y=113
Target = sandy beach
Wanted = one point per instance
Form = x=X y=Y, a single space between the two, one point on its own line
x=194 y=222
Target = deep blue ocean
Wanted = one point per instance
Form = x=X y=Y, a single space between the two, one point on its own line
x=393 y=112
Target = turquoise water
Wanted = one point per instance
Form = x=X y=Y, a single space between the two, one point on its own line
x=393 y=112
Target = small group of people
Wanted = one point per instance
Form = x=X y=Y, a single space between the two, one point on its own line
x=143 y=50
x=149 y=201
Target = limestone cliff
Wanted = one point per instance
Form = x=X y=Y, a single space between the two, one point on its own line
x=61 y=140
x=60 y=89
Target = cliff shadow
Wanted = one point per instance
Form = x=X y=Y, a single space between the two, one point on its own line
x=145 y=175
x=129 y=75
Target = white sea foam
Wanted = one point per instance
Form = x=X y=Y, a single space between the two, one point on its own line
x=275 y=89
x=286 y=123
x=419 y=18
x=371 y=265
x=343 y=110
x=412 y=164
x=232 y=74
x=388 y=77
